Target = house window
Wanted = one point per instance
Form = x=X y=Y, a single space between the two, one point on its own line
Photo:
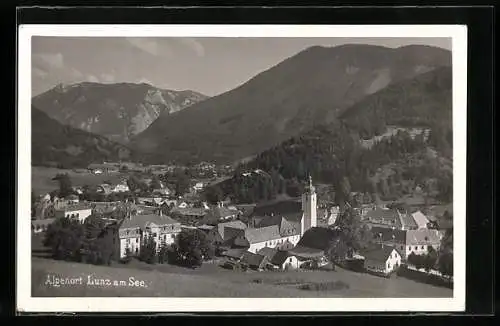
x=173 y=236
x=136 y=240
x=128 y=241
x=422 y=247
x=290 y=260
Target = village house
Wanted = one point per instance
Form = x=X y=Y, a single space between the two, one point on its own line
x=382 y=260
x=281 y=259
x=134 y=229
x=105 y=189
x=79 y=211
x=408 y=241
x=390 y=218
x=120 y=187
x=224 y=234
x=102 y=168
x=199 y=186
x=254 y=261
x=218 y=214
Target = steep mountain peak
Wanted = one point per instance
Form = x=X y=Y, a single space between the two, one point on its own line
x=115 y=110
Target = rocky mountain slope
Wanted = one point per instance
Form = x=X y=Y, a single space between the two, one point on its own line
x=117 y=111
x=311 y=87
x=55 y=144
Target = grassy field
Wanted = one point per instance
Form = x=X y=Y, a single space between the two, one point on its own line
x=212 y=281
x=42 y=183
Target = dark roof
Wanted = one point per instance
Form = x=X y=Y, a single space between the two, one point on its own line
x=230 y=229
x=388 y=234
x=268 y=252
x=379 y=253
x=306 y=252
x=189 y=211
x=141 y=221
x=234 y=253
x=280 y=207
x=280 y=257
x=252 y=259
x=317 y=238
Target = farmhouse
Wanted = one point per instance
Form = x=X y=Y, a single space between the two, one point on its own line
x=134 y=229
x=382 y=260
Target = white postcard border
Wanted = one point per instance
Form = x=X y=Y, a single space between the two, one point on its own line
x=27 y=303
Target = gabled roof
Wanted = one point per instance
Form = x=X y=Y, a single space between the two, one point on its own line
x=252 y=259
x=407 y=221
x=317 y=238
x=380 y=254
x=225 y=231
x=141 y=221
x=422 y=237
x=234 y=253
x=268 y=252
x=420 y=219
x=280 y=257
x=189 y=211
x=255 y=235
x=76 y=207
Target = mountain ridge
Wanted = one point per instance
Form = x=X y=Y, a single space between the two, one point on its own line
x=116 y=110
x=54 y=144
x=310 y=87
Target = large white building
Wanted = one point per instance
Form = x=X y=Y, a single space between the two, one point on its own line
x=135 y=229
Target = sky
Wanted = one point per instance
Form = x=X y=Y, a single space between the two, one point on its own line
x=207 y=65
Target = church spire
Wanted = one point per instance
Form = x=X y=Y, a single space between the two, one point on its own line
x=310 y=187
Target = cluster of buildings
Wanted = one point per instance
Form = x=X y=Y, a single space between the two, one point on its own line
x=280 y=234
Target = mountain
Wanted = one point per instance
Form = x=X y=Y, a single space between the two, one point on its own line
x=117 y=111
x=309 y=88
x=55 y=144
x=392 y=167
x=420 y=101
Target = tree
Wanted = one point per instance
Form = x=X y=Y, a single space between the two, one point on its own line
x=148 y=252
x=163 y=254
x=155 y=183
x=193 y=246
x=430 y=259
x=65 y=237
x=182 y=182
x=65 y=187
x=351 y=236
x=445 y=264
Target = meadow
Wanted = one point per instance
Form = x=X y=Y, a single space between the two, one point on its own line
x=42 y=183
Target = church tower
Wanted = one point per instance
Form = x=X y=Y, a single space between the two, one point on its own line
x=309 y=207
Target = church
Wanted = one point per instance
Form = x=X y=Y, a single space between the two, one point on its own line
x=280 y=224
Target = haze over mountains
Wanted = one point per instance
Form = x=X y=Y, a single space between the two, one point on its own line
x=116 y=111
x=310 y=88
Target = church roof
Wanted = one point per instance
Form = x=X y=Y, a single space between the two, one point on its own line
x=317 y=238
x=256 y=235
